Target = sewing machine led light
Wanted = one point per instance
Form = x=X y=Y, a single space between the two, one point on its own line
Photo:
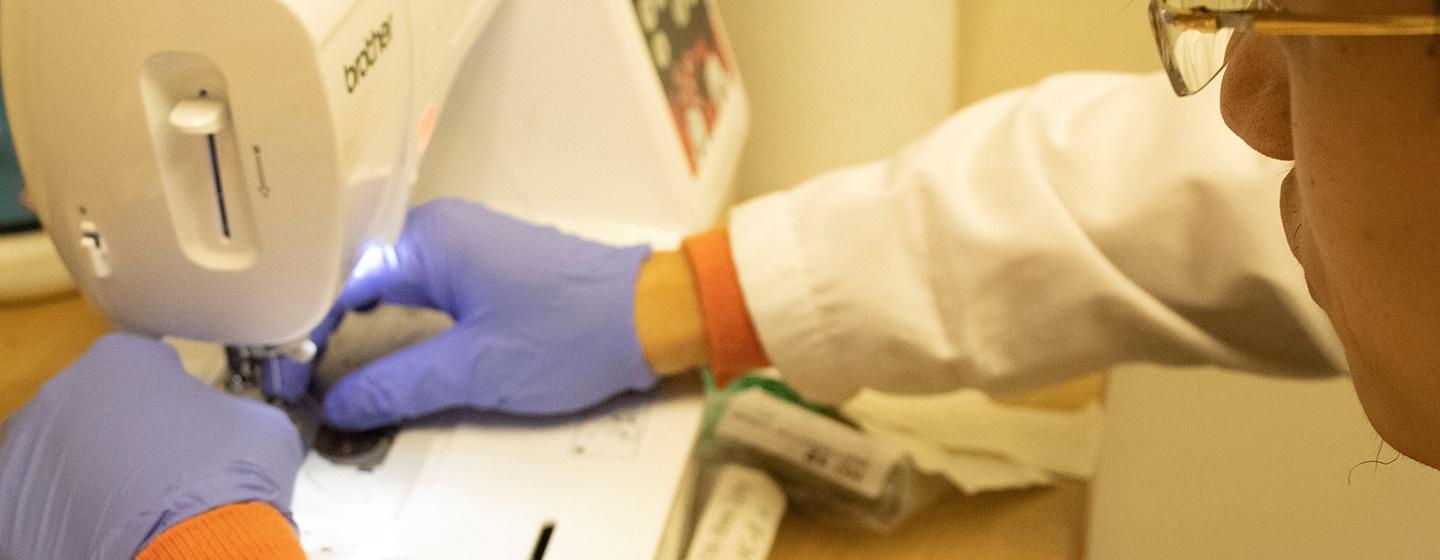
x=376 y=257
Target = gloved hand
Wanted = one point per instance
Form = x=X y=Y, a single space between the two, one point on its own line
x=123 y=445
x=544 y=321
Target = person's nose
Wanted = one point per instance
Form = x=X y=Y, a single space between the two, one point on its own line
x=1255 y=96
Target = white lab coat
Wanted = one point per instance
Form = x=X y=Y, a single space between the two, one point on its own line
x=1091 y=220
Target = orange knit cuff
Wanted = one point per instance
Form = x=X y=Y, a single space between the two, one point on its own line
x=248 y=531
x=729 y=330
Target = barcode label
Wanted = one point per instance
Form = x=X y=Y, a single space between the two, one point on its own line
x=811 y=441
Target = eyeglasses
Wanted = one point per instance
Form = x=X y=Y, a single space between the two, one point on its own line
x=1193 y=35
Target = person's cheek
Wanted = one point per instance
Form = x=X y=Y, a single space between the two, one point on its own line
x=1366 y=201
x=1255 y=95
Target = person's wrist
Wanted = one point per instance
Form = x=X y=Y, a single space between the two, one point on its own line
x=668 y=319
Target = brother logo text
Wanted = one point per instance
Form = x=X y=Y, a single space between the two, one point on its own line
x=375 y=46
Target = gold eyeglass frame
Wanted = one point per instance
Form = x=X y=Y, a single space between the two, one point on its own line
x=1274 y=22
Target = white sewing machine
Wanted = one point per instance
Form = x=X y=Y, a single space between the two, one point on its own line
x=213 y=170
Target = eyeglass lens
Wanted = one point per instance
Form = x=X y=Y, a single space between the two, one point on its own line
x=1192 y=56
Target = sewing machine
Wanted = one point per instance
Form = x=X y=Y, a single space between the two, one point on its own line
x=213 y=170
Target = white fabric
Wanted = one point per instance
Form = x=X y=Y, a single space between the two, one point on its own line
x=1092 y=220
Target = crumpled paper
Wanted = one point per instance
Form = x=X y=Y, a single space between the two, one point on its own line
x=982 y=445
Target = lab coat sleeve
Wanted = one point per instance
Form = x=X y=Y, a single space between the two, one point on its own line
x=1091 y=220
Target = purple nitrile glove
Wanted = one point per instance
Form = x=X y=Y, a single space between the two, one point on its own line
x=123 y=445
x=544 y=321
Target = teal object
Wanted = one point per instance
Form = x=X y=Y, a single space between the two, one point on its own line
x=717 y=399
x=13 y=215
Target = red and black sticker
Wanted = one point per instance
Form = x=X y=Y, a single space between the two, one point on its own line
x=692 y=65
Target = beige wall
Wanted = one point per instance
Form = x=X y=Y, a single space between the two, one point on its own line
x=834 y=82
x=837 y=82
x=1011 y=43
